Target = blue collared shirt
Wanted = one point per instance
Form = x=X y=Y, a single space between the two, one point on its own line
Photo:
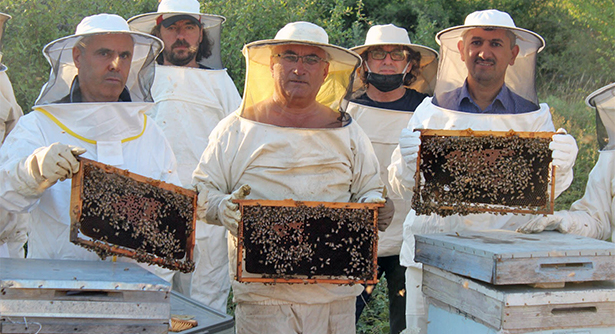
x=506 y=102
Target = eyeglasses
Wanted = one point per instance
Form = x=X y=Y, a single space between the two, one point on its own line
x=396 y=55
x=293 y=58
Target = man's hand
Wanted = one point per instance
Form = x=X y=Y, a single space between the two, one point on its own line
x=565 y=150
x=409 y=143
x=385 y=213
x=556 y=221
x=52 y=163
x=228 y=212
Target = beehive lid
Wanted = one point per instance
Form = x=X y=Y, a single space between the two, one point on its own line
x=77 y=275
x=505 y=257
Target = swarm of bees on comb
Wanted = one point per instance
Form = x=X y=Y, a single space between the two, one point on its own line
x=309 y=241
x=472 y=174
x=152 y=223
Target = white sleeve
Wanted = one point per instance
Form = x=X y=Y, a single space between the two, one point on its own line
x=213 y=173
x=401 y=176
x=19 y=190
x=10 y=111
x=366 y=180
x=592 y=215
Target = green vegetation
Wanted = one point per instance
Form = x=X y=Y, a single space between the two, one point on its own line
x=579 y=57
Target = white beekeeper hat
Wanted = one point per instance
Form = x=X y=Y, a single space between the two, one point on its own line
x=389 y=34
x=520 y=77
x=3 y=19
x=342 y=64
x=59 y=54
x=603 y=100
x=170 y=11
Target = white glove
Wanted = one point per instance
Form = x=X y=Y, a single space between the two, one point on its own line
x=409 y=143
x=565 y=150
x=228 y=212
x=52 y=163
x=556 y=221
x=385 y=213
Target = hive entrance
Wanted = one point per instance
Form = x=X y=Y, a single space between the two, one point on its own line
x=462 y=172
x=118 y=212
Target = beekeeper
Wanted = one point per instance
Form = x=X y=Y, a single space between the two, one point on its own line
x=592 y=215
x=84 y=109
x=288 y=141
x=13 y=227
x=485 y=82
x=192 y=93
x=396 y=76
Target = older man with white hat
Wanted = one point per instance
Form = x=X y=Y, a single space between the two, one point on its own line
x=93 y=105
x=192 y=92
x=594 y=214
x=288 y=141
x=485 y=82
x=396 y=75
x=13 y=227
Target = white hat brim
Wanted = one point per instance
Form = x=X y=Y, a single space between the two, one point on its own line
x=427 y=54
x=72 y=39
x=590 y=100
x=337 y=53
x=146 y=22
x=526 y=36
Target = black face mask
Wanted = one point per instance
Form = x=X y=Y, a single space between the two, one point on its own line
x=385 y=83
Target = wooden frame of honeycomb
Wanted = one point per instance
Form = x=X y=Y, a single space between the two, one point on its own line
x=465 y=171
x=116 y=212
x=307 y=242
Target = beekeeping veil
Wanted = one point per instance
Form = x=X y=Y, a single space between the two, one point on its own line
x=520 y=77
x=603 y=100
x=259 y=84
x=3 y=19
x=389 y=34
x=180 y=9
x=59 y=54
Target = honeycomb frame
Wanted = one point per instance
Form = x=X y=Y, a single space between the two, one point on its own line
x=465 y=171
x=117 y=212
x=307 y=242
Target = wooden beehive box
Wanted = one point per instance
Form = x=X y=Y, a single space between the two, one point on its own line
x=506 y=257
x=116 y=212
x=465 y=171
x=48 y=296
x=307 y=242
x=465 y=306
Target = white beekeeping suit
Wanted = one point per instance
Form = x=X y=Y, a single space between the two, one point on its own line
x=13 y=227
x=592 y=215
x=331 y=164
x=189 y=103
x=452 y=74
x=115 y=133
x=383 y=126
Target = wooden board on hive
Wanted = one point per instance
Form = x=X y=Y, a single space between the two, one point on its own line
x=465 y=171
x=307 y=242
x=116 y=212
